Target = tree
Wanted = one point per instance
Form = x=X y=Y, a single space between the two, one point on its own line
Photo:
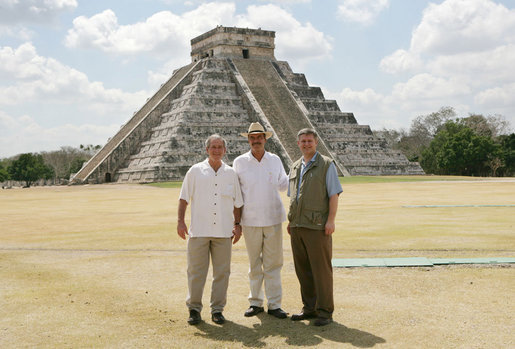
x=507 y=144
x=458 y=150
x=401 y=140
x=422 y=131
x=489 y=126
x=68 y=160
x=425 y=127
x=4 y=175
x=29 y=168
x=442 y=144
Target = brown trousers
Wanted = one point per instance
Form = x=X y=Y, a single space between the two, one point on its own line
x=312 y=254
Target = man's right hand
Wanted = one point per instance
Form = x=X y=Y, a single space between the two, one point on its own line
x=182 y=230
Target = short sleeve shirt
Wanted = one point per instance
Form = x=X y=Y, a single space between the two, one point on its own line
x=212 y=197
x=261 y=182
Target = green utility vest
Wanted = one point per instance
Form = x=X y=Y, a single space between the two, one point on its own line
x=312 y=208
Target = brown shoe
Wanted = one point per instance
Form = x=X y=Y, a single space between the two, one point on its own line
x=322 y=321
x=304 y=316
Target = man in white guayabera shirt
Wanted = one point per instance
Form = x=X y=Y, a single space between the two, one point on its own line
x=262 y=176
x=213 y=190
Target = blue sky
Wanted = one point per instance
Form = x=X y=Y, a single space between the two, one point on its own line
x=73 y=71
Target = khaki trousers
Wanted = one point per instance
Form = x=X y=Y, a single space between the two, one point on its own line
x=199 y=251
x=265 y=251
x=312 y=254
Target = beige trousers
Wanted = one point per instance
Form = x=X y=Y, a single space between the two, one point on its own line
x=199 y=251
x=265 y=251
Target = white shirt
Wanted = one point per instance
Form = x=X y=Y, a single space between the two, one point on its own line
x=213 y=196
x=260 y=183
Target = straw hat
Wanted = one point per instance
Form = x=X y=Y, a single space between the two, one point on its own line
x=256 y=127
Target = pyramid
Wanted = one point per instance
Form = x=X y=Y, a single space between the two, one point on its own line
x=233 y=80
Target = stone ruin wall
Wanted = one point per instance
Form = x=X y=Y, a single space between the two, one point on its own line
x=229 y=42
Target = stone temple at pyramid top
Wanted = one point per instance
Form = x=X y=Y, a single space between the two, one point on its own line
x=232 y=42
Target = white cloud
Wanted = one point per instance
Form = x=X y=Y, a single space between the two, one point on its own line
x=400 y=61
x=461 y=55
x=35 y=11
x=420 y=95
x=16 y=31
x=457 y=26
x=24 y=134
x=41 y=79
x=170 y=34
x=162 y=33
x=487 y=67
x=296 y=42
x=427 y=86
x=362 y=11
x=456 y=35
x=287 y=2
x=361 y=98
x=498 y=97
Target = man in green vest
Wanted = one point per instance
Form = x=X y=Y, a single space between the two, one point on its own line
x=313 y=190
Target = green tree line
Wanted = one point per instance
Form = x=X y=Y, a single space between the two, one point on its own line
x=56 y=166
x=444 y=144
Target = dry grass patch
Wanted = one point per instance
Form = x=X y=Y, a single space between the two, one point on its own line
x=101 y=266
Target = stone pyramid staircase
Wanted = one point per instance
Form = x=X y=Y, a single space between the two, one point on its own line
x=354 y=146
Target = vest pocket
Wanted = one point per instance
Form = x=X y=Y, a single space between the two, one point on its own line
x=314 y=217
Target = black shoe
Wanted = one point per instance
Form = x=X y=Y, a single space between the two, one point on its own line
x=278 y=313
x=194 y=318
x=304 y=316
x=218 y=318
x=322 y=321
x=253 y=310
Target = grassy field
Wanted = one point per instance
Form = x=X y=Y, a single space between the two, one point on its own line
x=102 y=266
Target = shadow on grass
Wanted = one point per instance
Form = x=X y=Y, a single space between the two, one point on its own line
x=295 y=333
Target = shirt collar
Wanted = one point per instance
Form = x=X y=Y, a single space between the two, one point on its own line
x=310 y=161
x=251 y=157
x=206 y=164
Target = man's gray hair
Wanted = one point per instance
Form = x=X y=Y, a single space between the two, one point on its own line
x=213 y=137
x=307 y=131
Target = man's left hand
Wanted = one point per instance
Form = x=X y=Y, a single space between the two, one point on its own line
x=236 y=234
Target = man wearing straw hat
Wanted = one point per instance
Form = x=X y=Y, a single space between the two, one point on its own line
x=262 y=176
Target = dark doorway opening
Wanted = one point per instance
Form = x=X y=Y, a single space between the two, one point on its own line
x=245 y=53
x=108 y=177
